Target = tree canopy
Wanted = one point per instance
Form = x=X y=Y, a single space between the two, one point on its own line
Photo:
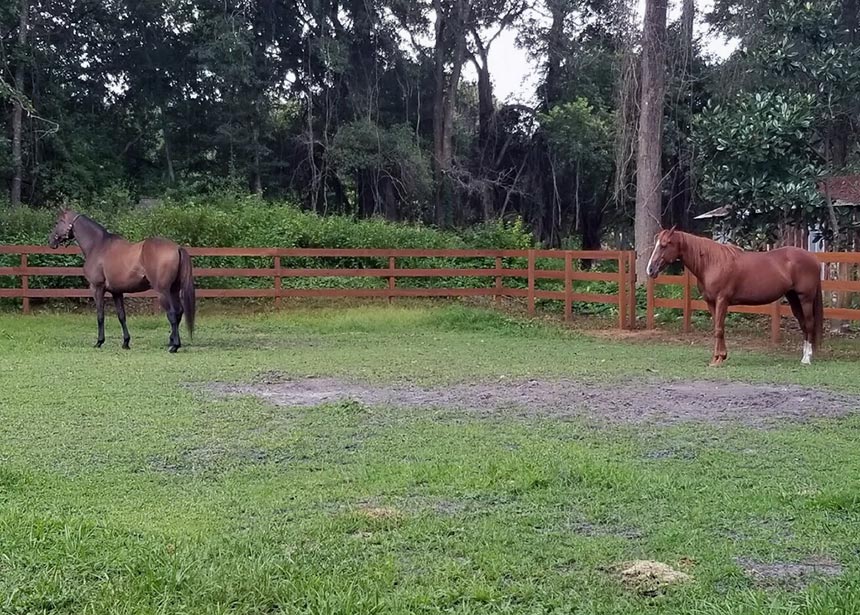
x=387 y=108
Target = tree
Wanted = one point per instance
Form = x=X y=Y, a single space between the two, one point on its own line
x=580 y=143
x=650 y=136
x=451 y=29
x=755 y=157
x=18 y=104
x=581 y=44
x=801 y=62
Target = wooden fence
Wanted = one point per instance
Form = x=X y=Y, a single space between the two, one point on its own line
x=559 y=265
x=687 y=304
x=563 y=270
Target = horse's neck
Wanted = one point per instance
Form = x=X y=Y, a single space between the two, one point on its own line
x=700 y=253
x=89 y=234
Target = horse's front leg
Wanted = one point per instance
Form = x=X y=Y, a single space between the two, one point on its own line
x=712 y=310
x=99 y=297
x=718 y=313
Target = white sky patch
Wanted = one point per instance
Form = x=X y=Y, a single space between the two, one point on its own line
x=515 y=75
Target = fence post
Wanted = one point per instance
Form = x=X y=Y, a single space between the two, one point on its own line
x=568 y=285
x=775 y=322
x=688 y=300
x=531 y=282
x=498 y=296
x=25 y=284
x=277 y=264
x=622 y=291
x=391 y=280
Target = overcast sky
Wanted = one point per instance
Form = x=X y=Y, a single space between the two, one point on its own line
x=514 y=75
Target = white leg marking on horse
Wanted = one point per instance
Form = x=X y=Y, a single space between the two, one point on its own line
x=807 y=353
x=653 y=253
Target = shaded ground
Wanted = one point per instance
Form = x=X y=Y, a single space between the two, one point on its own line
x=653 y=402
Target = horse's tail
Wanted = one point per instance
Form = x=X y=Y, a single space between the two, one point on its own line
x=187 y=294
x=818 y=316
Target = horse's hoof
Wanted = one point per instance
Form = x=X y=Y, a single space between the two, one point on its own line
x=125 y=346
x=716 y=363
x=98 y=344
x=173 y=349
x=806 y=361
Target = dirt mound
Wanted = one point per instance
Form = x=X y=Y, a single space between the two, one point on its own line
x=650 y=578
x=652 y=402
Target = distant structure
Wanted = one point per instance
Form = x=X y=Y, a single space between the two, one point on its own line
x=842 y=190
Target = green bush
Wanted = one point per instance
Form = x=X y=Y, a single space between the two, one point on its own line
x=231 y=219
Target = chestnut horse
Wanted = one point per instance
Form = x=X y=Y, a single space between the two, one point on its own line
x=114 y=264
x=727 y=275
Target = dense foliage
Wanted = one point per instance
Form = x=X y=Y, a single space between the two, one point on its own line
x=387 y=108
x=756 y=155
x=248 y=221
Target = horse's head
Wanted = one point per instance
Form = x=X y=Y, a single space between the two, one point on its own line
x=64 y=229
x=667 y=250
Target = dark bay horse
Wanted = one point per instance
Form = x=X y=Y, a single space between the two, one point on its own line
x=114 y=264
x=727 y=276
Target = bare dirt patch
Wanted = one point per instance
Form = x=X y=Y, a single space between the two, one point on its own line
x=212 y=459
x=379 y=512
x=586 y=528
x=653 y=402
x=790 y=575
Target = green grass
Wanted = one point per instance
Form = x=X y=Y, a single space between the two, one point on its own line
x=123 y=490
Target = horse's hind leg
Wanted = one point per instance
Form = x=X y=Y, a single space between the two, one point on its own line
x=99 y=297
x=119 y=304
x=804 y=317
x=808 y=304
x=171 y=306
x=177 y=311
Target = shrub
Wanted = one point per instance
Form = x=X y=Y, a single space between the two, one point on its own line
x=231 y=219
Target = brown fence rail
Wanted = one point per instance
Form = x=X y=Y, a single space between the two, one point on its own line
x=833 y=263
x=563 y=269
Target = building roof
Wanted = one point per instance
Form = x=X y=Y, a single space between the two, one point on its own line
x=719 y=212
x=842 y=189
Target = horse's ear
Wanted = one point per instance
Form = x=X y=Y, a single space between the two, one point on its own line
x=672 y=230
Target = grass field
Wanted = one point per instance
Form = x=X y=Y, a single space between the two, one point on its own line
x=126 y=486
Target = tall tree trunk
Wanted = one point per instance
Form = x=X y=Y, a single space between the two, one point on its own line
x=168 y=157
x=485 y=152
x=841 y=131
x=486 y=108
x=361 y=86
x=684 y=185
x=389 y=195
x=555 y=52
x=18 y=108
x=364 y=195
x=448 y=27
x=440 y=164
x=258 y=179
x=591 y=219
x=650 y=141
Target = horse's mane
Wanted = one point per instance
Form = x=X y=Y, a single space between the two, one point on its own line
x=698 y=252
x=95 y=224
